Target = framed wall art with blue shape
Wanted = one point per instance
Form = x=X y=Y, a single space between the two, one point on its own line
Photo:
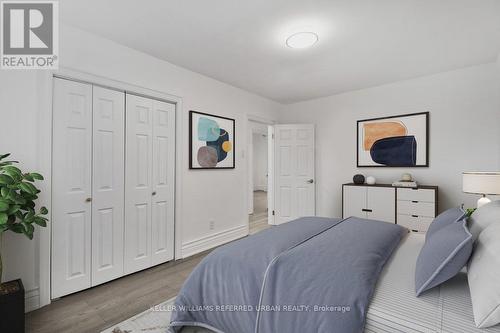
x=397 y=141
x=211 y=141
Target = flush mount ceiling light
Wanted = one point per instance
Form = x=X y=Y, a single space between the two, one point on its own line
x=302 y=40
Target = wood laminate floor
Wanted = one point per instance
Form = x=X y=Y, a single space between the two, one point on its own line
x=98 y=308
x=258 y=220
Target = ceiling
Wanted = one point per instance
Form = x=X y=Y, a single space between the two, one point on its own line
x=362 y=43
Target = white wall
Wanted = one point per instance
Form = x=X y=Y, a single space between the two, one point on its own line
x=259 y=162
x=464 y=110
x=217 y=195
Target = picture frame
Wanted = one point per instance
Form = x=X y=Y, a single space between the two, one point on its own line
x=400 y=141
x=211 y=141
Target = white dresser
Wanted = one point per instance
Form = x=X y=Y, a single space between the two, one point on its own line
x=412 y=208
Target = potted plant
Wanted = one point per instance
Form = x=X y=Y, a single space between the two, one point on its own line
x=18 y=214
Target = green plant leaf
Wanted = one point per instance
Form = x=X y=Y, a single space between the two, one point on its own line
x=34 y=190
x=4 y=191
x=28 y=230
x=3 y=218
x=17 y=228
x=44 y=210
x=28 y=177
x=4 y=156
x=16 y=197
x=13 y=209
x=4 y=205
x=5 y=179
x=40 y=221
x=13 y=172
x=13 y=169
x=26 y=188
x=36 y=175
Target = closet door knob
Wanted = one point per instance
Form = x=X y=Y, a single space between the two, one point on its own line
x=310 y=181
x=154 y=193
x=88 y=200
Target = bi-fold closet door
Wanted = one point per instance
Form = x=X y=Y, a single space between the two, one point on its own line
x=92 y=239
x=149 y=195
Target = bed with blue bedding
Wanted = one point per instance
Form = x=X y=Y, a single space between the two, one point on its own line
x=309 y=275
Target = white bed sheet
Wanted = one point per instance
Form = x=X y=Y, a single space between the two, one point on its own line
x=395 y=308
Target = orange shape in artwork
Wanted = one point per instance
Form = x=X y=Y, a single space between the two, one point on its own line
x=379 y=130
x=227 y=146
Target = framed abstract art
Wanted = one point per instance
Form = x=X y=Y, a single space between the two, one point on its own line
x=211 y=141
x=397 y=141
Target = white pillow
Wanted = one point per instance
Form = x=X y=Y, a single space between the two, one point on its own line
x=484 y=277
x=483 y=217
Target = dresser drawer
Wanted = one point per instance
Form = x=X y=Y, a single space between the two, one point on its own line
x=420 y=208
x=419 y=223
x=416 y=195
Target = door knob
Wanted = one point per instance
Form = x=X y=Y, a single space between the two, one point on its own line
x=154 y=193
x=310 y=181
x=88 y=200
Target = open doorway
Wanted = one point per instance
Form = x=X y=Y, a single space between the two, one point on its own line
x=258 y=176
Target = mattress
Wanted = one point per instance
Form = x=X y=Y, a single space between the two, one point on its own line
x=395 y=308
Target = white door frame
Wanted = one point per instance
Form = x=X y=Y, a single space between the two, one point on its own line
x=44 y=156
x=259 y=120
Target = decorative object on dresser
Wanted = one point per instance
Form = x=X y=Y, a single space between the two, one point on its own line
x=370 y=180
x=211 y=141
x=397 y=141
x=405 y=181
x=483 y=183
x=358 y=179
x=413 y=208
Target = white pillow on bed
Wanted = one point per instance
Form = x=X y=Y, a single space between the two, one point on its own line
x=483 y=217
x=484 y=277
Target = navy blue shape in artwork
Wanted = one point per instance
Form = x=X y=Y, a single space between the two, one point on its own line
x=224 y=136
x=400 y=151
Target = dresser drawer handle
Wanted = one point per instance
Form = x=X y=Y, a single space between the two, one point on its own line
x=414 y=216
x=367 y=210
x=414 y=201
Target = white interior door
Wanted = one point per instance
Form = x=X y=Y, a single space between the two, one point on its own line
x=138 y=182
x=294 y=172
x=71 y=182
x=162 y=239
x=107 y=184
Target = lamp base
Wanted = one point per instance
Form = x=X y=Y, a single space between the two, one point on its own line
x=483 y=201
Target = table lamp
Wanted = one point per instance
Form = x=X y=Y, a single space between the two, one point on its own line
x=484 y=183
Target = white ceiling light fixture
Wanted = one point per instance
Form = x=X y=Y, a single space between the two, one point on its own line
x=302 y=40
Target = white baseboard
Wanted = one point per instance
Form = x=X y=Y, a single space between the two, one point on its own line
x=31 y=300
x=206 y=243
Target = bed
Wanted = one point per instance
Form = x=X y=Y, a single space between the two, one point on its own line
x=394 y=306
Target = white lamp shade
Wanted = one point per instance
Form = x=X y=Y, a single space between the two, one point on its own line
x=481 y=182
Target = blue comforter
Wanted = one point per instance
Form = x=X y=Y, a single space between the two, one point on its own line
x=309 y=275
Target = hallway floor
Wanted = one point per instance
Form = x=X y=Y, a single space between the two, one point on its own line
x=258 y=220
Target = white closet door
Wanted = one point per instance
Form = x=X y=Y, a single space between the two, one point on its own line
x=72 y=171
x=162 y=239
x=107 y=184
x=138 y=182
